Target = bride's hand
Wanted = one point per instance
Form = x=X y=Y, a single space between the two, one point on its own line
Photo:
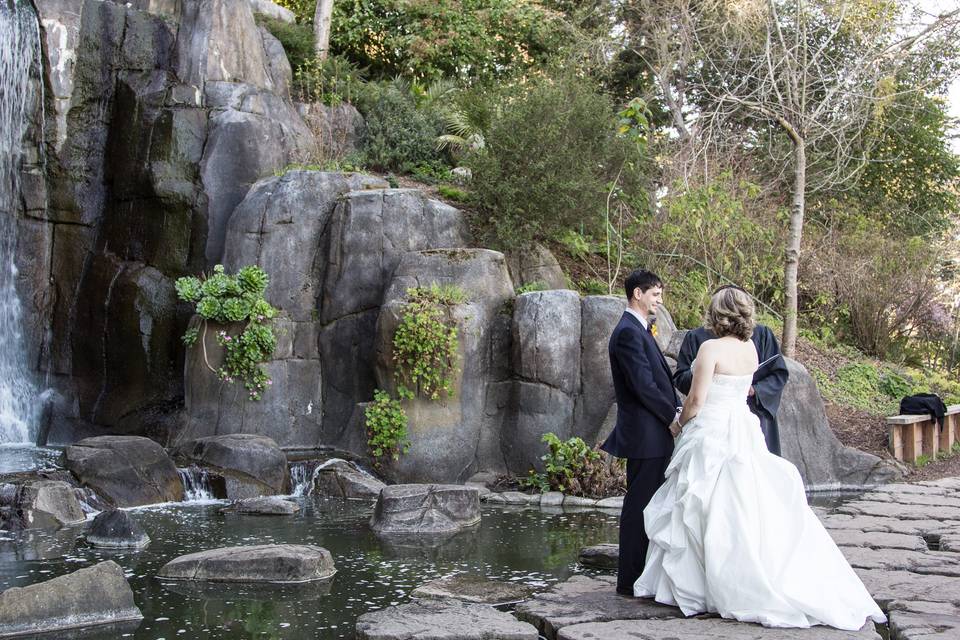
x=674 y=428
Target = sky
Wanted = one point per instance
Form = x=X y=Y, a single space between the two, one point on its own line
x=936 y=7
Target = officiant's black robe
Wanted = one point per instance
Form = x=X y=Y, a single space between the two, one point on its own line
x=768 y=381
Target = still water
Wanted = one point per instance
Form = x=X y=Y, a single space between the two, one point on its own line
x=526 y=546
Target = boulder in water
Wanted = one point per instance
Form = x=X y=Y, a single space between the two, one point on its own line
x=116 y=529
x=425 y=509
x=251 y=465
x=47 y=504
x=92 y=596
x=261 y=563
x=341 y=479
x=265 y=506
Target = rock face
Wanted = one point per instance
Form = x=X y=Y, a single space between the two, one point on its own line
x=807 y=440
x=95 y=595
x=47 y=504
x=116 y=529
x=268 y=506
x=127 y=471
x=341 y=479
x=162 y=116
x=413 y=509
x=451 y=438
x=470 y=588
x=251 y=465
x=337 y=129
x=442 y=620
x=536 y=266
x=263 y=563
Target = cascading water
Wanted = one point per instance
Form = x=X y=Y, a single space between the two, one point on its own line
x=20 y=44
x=196 y=485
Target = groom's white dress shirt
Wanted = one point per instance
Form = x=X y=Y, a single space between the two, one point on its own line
x=639 y=317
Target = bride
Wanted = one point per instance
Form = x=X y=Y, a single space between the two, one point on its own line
x=730 y=530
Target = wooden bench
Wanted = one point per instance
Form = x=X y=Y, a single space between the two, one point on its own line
x=913 y=436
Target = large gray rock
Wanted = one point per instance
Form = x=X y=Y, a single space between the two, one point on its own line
x=47 y=504
x=262 y=563
x=583 y=599
x=472 y=588
x=712 y=629
x=279 y=67
x=117 y=529
x=598 y=317
x=369 y=232
x=127 y=471
x=425 y=509
x=452 y=438
x=87 y=597
x=273 y=10
x=546 y=360
x=536 y=265
x=252 y=465
x=808 y=441
x=341 y=479
x=265 y=506
x=442 y=620
x=338 y=129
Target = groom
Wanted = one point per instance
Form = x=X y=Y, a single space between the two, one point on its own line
x=646 y=418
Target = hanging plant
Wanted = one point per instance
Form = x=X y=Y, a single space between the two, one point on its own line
x=232 y=299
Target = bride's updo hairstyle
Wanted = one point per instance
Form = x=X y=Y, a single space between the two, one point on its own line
x=731 y=313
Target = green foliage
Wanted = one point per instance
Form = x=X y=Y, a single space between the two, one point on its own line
x=425 y=344
x=303 y=10
x=453 y=193
x=574 y=468
x=432 y=172
x=297 y=39
x=228 y=299
x=463 y=39
x=386 y=427
x=331 y=81
x=922 y=461
x=536 y=285
x=550 y=156
x=398 y=135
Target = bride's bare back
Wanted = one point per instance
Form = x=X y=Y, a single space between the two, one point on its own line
x=729 y=356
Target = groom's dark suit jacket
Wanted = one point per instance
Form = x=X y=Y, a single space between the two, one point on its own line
x=646 y=399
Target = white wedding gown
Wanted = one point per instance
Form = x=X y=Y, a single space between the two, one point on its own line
x=731 y=533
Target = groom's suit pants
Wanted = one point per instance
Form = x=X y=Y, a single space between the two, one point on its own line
x=644 y=477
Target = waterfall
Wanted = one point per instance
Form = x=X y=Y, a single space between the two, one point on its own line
x=20 y=44
x=301 y=477
x=196 y=485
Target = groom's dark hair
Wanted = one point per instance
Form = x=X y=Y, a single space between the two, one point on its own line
x=641 y=279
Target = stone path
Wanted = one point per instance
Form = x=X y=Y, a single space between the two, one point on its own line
x=903 y=540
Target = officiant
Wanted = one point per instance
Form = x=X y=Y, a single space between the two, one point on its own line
x=768 y=380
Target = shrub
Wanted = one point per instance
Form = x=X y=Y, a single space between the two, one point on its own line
x=398 y=135
x=229 y=299
x=303 y=10
x=297 y=39
x=453 y=193
x=550 y=156
x=574 y=468
x=536 y=285
x=425 y=344
x=386 y=427
x=331 y=81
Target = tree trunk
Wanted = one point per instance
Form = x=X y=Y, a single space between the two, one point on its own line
x=792 y=260
x=321 y=27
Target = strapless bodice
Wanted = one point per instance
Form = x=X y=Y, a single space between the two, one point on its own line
x=728 y=391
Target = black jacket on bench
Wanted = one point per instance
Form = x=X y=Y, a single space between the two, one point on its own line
x=924 y=404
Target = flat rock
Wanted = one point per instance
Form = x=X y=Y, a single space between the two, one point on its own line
x=342 y=479
x=942 y=563
x=551 y=499
x=128 y=471
x=406 y=509
x=583 y=599
x=601 y=556
x=261 y=563
x=887 y=586
x=512 y=497
x=473 y=588
x=885 y=524
x=578 y=501
x=901 y=511
x=950 y=542
x=252 y=465
x=877 y=539
x=704 y=629
x=442 y=620
x=91 y=596
x=264 y=506
x=117 y=529
x=919 y=620
x=611 y=503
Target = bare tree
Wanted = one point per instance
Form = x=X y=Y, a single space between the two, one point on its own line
x=812 y=73
x=321 y=27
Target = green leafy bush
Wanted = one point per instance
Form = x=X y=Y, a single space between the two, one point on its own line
x=398 y=135
x=303 y=10
x=536 y=285
x=550 y=157
x=574 y=468
x=425 y=344
x=331 y=81
x=297 y=39
x=453 y=193
x=386 y=427
x=227 y=299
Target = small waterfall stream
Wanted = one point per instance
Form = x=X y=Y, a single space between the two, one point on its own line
x=197 y=486
x=19 y=44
